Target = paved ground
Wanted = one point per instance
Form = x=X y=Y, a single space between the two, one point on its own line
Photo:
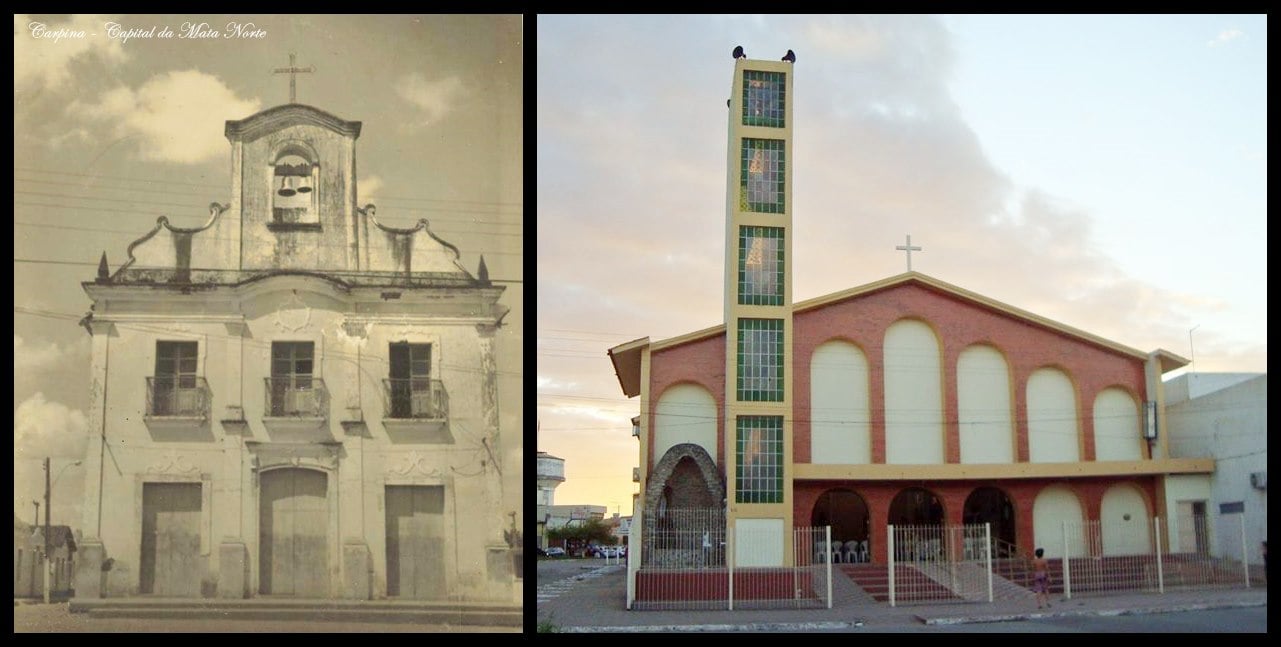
x=55 y=618
x=595 y=598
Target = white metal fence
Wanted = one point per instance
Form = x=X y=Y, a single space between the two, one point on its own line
x=1135 y=556
x=934 y=563
x=689 y=559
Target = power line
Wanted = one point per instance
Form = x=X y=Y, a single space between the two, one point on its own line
x=223 y=186
x=204 y=236
x=69 y=196
x=339 y=273
x=250 y=342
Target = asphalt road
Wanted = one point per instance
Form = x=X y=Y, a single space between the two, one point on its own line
x=552 y=570
x=1247 y=620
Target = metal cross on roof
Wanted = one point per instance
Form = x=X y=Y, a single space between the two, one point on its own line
x=292 y=71
x=909 y=249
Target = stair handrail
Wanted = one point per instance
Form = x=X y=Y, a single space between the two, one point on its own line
x=1007 y=555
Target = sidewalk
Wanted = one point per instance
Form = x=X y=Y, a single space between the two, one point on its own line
x=598 y=604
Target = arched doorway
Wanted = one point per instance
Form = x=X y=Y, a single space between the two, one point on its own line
x=846 y=512
x=916 y=507
x=917 y=517
x=991 y=505
x=294 y=533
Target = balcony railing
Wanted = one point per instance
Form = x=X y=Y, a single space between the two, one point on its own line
x=298 y=396
x=174 y=396
x=416 y=399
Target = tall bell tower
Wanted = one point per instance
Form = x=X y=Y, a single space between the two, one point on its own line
x=758 y=312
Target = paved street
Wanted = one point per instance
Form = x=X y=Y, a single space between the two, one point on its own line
x=55 y=618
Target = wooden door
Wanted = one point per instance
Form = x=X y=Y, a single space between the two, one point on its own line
x=293 y=533
x=171 y=563
x=416 y=541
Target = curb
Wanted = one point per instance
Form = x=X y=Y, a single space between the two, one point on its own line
x=1089 y=612
x=720 y=628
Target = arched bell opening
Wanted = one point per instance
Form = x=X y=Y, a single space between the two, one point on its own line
x=293 y=181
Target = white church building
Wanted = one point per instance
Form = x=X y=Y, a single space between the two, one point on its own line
x=293 y=399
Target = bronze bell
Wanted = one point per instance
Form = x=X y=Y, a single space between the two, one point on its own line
x=304 y=184
x=286 y=187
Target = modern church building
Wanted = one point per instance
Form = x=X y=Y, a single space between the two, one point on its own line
x=905 y=401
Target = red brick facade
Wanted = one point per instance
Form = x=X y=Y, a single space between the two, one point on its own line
x=878 y=495
x=958 y=323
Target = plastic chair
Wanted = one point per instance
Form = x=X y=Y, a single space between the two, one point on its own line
x=862 y=551
x=850 y=552
x=836 y=552
x=821 y=552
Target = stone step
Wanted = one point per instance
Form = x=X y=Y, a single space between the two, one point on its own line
x=81 y=605
x=473 y=618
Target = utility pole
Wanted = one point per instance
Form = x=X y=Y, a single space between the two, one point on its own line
x=48 y=563
x=35 y=521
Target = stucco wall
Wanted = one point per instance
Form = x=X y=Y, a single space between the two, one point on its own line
x=686 y=413
x=1230 y=424
x=334 y=195
x=359 y=461
x=913 y=394
x=840 y=414
x=983 y=406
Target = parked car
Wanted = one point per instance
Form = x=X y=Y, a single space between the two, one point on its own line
x=555 y=551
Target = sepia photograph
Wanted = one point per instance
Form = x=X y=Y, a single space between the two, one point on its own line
x=268 y=323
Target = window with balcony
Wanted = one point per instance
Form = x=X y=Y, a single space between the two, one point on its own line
x=292 y=389
x=175 y=390
x=412 y=394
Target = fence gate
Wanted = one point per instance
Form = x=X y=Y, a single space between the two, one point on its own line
x=935 y=563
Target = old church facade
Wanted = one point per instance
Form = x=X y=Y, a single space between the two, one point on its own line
x=294 y=399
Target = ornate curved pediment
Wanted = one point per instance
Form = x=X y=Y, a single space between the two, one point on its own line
x=274 y=119
x=269 y=456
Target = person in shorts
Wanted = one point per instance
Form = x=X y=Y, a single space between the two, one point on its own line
x=1041 y=579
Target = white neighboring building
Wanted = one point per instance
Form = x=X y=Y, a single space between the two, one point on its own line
x=1225 y=416
x=559 y=516
x=551 y=473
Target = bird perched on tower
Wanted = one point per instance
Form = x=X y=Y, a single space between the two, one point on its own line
x=738 y=52
x=790 y=56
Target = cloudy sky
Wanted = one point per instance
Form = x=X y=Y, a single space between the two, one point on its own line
x=110 y=134
x=1108 y=172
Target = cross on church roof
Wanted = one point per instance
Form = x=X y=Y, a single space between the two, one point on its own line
x=292 y=71
x=909 y=249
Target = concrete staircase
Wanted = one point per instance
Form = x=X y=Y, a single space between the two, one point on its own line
x=390 y=611
x=913 y=585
